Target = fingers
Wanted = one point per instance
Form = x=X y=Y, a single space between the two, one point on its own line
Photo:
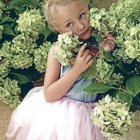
x=82 y=49
x=84 y=54
x=83 y=60
x=108 y=43
x=89 y=63
x=108 y=39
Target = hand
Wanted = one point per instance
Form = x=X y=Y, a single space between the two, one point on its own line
x=108 y=43
x=83 y=60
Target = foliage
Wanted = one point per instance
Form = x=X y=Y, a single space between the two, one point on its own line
x=118 y=71
x=24 y=47
x=121 y=68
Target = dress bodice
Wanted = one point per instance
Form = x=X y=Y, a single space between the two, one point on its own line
x=76 y=92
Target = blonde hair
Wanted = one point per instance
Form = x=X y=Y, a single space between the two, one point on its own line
x=50 y=9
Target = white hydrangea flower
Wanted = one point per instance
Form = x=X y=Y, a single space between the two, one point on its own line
x=67 y=44
x=112 y=116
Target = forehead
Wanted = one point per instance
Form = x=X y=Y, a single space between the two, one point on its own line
x=70 y=10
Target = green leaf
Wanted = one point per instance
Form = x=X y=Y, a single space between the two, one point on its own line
x=108 y=56
x=133 y=85
x=97 y=88
x=125 y=96
x=6 y=19
x=22 y=79
x=46 y=32
x=91 y=72
x=99 y=38
x=8 y=30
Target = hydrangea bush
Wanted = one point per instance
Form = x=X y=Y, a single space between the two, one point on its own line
x=23 y=48
x=118 y=73
x=120 y=70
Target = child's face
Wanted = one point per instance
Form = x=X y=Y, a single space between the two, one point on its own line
x=73 y=17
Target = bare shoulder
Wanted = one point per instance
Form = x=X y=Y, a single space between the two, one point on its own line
x=53 y=49
x=52 y=60
x=53 y=66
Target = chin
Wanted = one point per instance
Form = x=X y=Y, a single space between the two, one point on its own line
x=86 y=35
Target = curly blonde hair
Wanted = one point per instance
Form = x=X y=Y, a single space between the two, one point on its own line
x=50 y=9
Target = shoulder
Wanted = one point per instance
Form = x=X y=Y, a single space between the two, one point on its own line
x=53 y=49
x=52 y=55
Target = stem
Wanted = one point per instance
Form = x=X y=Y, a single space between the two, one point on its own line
x=119 y=89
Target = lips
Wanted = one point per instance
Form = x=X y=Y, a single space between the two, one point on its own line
x=86 y=34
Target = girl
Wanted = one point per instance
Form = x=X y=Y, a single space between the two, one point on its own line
x=60 y=110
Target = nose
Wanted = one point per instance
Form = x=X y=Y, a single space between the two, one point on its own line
x=80 y=25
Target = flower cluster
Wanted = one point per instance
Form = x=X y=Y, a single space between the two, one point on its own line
x=112 y=116
x=31 y=23
x=21 y=51
x=123 y=21
x=40 y=56
x=9 y=92
x=119 y=67
x=67 y=47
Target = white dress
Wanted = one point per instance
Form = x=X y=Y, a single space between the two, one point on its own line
x=65 y=119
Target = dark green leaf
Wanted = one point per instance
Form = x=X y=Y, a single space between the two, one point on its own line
x=91 y=72
x=125 y=96
x=99 y=38
x=133 y=85
x=6 y=19
x=22 y=79
x=108 y=56
x=46 y=32
x=97 y=88
x=8 y=30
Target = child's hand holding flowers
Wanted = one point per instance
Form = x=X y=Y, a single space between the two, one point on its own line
x=108 y=43
x=69 y=45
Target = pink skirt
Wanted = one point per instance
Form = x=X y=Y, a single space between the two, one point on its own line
x=66 y=119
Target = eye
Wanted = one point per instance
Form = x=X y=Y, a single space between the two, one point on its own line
x=69 y=25
x=82 y=15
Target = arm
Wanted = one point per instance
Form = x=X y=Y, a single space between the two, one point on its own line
x=55 y=87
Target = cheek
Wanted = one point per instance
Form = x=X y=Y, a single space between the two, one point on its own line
x=61 y=30
x=87 y=22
